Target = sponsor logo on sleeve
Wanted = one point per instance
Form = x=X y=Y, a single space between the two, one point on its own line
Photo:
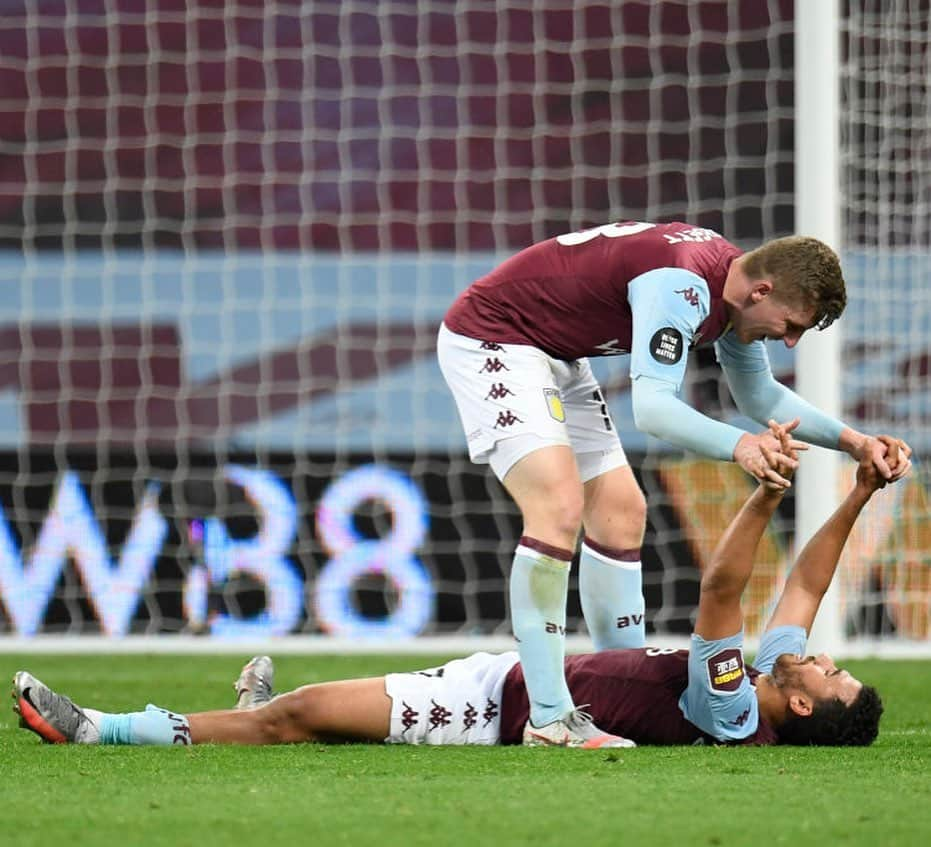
x=726 y=670
x=666 y=345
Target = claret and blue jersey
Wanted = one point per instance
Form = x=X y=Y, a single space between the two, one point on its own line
x=663 y=696
x=720 y=698
x=605 y=291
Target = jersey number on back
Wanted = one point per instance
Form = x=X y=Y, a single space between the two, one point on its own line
x=571 y=239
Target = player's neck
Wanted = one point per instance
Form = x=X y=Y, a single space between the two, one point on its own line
x=734 y=291
x=770 y=700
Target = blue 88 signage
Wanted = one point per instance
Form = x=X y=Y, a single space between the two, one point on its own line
x=391 y=556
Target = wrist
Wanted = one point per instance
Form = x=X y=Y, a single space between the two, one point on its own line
x=851 y=442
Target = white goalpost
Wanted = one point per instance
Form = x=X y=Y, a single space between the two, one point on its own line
x=818 y=213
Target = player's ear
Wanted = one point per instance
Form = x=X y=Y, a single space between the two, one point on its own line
x=801 y=704
x=760 y=290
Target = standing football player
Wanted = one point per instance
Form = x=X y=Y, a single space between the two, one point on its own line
x=514 y=350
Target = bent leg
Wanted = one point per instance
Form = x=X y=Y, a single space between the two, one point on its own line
x=330 y=712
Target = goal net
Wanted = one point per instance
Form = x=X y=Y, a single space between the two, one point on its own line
x=228 y=233
x=886 y=211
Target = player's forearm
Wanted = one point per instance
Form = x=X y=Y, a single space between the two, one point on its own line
x=660 y=413
x=732 y=561
x=761 y=397
x=817 y=562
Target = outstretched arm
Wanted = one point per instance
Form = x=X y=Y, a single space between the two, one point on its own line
x=815 y=567
x=658 y=411
x=724 y=579
x=760 y=396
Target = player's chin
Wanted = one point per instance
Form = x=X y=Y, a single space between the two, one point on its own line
x=781 y=667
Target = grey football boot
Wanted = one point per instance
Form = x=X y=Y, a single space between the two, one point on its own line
x=255 y=686
x=575 y=729
x=53 y=717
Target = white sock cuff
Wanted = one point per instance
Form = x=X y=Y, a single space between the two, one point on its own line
x=617 y=563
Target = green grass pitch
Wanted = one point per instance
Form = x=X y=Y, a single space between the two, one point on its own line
x=382 y=796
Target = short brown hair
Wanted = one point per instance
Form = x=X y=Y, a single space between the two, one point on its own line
x=803 y=270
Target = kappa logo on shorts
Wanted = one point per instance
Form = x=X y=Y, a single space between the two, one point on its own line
x=498 y=391
x=554 y=404
x=666 y=345
x=507 y=418
x=409 y=717
x=490 y=345
x=726 y=670
x=492 y=366
x=439 y=715
x=469 y=716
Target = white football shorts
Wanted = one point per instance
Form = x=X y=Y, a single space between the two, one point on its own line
x=514 y=398
x=456 y=703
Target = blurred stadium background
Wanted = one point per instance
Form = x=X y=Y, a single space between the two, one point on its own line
x=230 y=228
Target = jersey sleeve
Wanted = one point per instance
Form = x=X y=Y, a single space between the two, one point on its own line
x=746 y=358
x=667 y=306
x=778 y=641
x=719 y=699
x=760 y=396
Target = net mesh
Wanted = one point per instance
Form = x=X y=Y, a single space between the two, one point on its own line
x=230 y=230
x=886 y=105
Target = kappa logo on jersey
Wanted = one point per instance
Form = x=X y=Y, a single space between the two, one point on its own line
x=726 y=670
x=507 y=418
x=690 y=295
x=742 y=718
x=666 y=345
x=612 y=348
x=493 y=366
x=554 y=404
x=469 y=716
x=498 y=391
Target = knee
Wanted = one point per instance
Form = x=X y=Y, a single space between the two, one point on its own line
x=634 y=503
x=555 y=516
x=287 y=719
x=618 y=517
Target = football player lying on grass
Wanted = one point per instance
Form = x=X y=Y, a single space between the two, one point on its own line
x=649 y=696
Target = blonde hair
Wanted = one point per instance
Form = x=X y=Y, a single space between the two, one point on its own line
x=804 y=271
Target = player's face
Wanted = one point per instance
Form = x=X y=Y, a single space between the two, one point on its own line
x=818 y=676
x=773 y=318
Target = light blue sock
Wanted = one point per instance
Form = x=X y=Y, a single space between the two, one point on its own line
x=611 y=589
x=539 y=585
x=153 y=726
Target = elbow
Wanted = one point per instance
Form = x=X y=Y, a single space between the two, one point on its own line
x=648 y=415
x=721 y=586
